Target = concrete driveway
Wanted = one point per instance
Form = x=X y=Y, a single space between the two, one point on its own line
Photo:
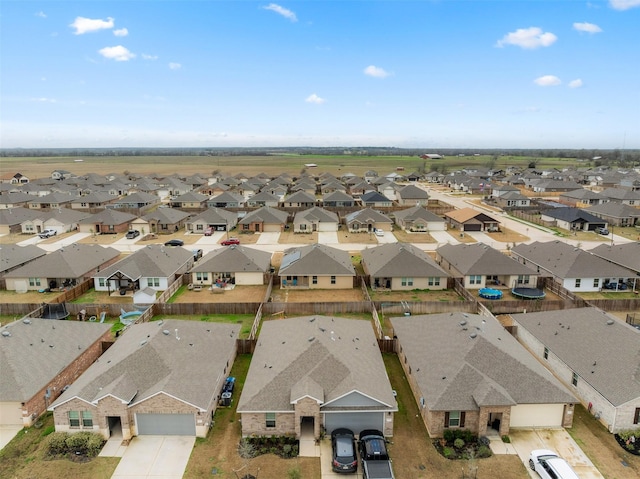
x=268 y=238
x=327 y=237
x=388 y=237
x=325 y=463
x=8 y=432
x=558 y=440
x=157 y=457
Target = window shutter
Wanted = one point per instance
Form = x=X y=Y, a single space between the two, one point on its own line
x=462 y=414
x=446 y=419
x=636 y=417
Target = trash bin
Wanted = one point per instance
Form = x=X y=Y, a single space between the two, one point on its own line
x=226 y=399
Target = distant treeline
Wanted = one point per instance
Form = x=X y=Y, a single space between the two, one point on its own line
x=617 y=156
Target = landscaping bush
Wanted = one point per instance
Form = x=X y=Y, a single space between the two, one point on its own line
x=506 y=439
x=82 y=444
x=458 y=443
x=57 y=443
x=282 y=446
x=484 y=451
x=630 y=440
x=448 y=452
x=462 y=444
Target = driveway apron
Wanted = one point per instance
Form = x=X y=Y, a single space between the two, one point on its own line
x=155 y=457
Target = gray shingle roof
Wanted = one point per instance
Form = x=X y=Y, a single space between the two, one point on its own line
x=316 y=259
x=400 y=259
x=626 y=255
x=12 y=255
x=215 y=216
x=304 y=355
x=166 y=215
x=35 y=353
x=147 y=361
x=478 y=258
x=607 y=356
x=458 y=372
x=265 y=214
x=316 y=214
x=417 y=212
x=367 y=215
x=615 y=210
x=571 y=214
x=153 y=261
x=109 y=217
x=234 y=258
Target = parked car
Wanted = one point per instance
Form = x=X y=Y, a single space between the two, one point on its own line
x=602 y=231
x=47 y=233
x=174 y=242
x=133 y=234
x=230 y=241
x=378 y=232
x=549 y=465
x=197 y=254
x=374 y=456
x=343 y=445
x=208 y=231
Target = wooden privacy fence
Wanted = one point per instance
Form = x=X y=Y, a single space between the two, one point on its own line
x=73 y=293
x=191 y=309
x=330 y=309
x=173 y=287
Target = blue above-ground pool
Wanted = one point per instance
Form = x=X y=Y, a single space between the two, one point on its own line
x=129 y=317
x=490 y=293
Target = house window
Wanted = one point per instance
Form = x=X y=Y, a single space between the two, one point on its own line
x=87 y=419
x=34 y=281
x=546 y=353
x=28 y=228
x=101 y=282
x=407 y=281
x=434 y=281
x=475 y=279
x=523 y=279
x=314 y=280
x=574 y=379
x=303 y=227
x=454 y=419
x=333 y=280
x=596 y=283
x=202 y=276
x=270 y=419
x=578 y=281
x=636 y=416
x=245 y=227
x=153 y=282
x=199 y=227
x=74 y=419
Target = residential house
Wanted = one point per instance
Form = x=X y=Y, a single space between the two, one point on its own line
x=13 y=256
x=626 y=255
x=263 y=198
x=14 y=200
x=161 y=378
x=135 y=201
x=412 y=195
x=62 y=221
x=323 y=378
x=434 y=177
x=315 y=219
x=61 y=175
x=62 y=268
x=11 y=219
x=373 y=199
x=482 y=266
x=107 y=222
x=228 y=199
x=265 y=219
x=190 y=200
x=235 y=264
x=40 y=358
x=14 y=178
x=161 y=220
x=338 y=199
x=616 y=214
x=500 y=190
x=573 y=268
x=581 y=198
x=513 y=199
x=553 y=186
x=468 y=219
x=370 y=176
x=402 y=266
x=316 y=266
x=216 y=218
x=51 y=201
x=419 y=219
x=622 y=195
x=368 y=220
x=299 y=199
x=573 y=219
x=92 y=201
x=154 y=266
x=467 y=372
x=594 y=354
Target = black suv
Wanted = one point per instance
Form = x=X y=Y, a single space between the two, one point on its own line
x=343 y=444
x=373 y=446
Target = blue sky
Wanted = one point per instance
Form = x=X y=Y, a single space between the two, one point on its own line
x=410 y=74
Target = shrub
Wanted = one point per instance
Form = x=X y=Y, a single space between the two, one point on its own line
x=629 y=433
x=294 y=473
x=448 y=452
x=449 y=435
x=94 y=444
x=506 y=439
x=459 y=443
x=484 y=441
x=56 y=443
x=48 y=430
x=484 y=451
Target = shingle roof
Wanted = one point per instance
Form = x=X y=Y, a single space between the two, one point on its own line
x=417 y=212
x=571 y=214
x=374 y=197
x=316 y=214
x=166 y=215
x=615 y=210
x=215 y=216
x=465 y=214
x=367 y=215
x=602 y=350
x=306 y=355
x=109 y=217
x=265 y=214
x=316 y=259
x=478 y=258
x=153 y=261
x=234 y=258
x=12 y=255
x=626 y=255
x=73 y=261
x=566 y=261
x=148 y=361
x=400 y=259
x=36 y=352
x=412 y=192
x=15 y=216
x=462 y=361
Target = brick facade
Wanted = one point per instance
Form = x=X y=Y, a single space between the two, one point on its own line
x=254 y=424
x=307 y=407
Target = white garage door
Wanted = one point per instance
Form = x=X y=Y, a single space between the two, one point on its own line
x=536 y=415
x=166 y=424
x=356 y=421
x=10 y=414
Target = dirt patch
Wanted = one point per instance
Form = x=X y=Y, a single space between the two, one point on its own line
x=409 y=237
x=315 y=295
x=28 y=297
x=414 y=295
x=460 y=236
x=508 y=236
x=105 y=239
x=239 y=294
x=361 y=238
x=289 y=237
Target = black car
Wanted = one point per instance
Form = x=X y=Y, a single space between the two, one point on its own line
x=344 y=457
x=174 y=242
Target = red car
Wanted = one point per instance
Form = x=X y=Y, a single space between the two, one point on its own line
x=208 y=231
x=230 y=241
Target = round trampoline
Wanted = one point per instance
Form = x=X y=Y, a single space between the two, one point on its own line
x=528 y=293
x=55 y=311
x=490 y=293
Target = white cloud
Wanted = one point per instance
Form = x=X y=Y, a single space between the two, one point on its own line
x=313 y=98
x=530 y=38
x=577 y=83
x=175 y=66
x=44 y=100
x=119 y=53
x=624 y=4
x=286 y=13
x=377 y=72
x=41 y=14
x=547 y=80
x=587 y=27
x=121 y=32
x=84 y=25
x=149 y=57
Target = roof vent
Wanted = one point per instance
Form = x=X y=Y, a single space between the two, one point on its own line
x=26 y=321
x=473 y=335
x=609 y=322
x=6 y=334
x=311 y=338
x=463 y=322
x=143 y=342
x=166 y=332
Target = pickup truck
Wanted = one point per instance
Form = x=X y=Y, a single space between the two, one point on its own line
x=374 y=456
x=47 y=233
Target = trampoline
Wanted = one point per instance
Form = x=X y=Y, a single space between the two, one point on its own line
x=55 y=311
x=490 y=293
x=528 y=293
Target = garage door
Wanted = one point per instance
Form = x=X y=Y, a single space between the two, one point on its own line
x=10 y=414
x=473 y=227
x=166 y=424
x=356 y=421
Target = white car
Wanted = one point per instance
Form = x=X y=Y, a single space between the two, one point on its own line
x=47 y=233
x=549 y=465
x=378 y=232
